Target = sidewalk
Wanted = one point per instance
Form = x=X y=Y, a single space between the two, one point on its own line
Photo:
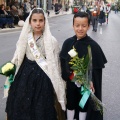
x=52 y=14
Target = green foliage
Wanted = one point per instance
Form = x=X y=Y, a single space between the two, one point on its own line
x=80 y=67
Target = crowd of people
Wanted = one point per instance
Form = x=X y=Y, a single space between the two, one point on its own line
x=20 y=11
x=98 y=14
x=13 y=12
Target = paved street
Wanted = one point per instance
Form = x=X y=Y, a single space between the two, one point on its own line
x=108 y=37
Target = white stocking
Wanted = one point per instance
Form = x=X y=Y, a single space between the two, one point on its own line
x=70 y=114
x=82 y=115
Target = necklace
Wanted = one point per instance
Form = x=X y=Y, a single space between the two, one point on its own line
x=38 y=38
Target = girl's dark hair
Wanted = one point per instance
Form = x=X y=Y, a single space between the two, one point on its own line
x=37 y=11
x=82 y=15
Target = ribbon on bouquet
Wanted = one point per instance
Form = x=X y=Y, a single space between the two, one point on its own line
x=10 y=80
x=85 y=95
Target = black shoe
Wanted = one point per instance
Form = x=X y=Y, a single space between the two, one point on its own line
x=3 y=27
x=95 y=30
x=12 y=26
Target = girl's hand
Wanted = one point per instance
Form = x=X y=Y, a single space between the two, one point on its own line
x=92 y=87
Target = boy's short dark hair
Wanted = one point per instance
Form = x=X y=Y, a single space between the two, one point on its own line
x=82 y=15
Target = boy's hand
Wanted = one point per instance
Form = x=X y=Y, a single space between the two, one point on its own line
x=92 y=87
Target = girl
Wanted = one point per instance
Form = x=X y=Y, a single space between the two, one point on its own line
x=38 y=88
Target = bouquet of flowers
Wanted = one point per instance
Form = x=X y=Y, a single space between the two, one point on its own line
x=8 y=69
x=81 y=76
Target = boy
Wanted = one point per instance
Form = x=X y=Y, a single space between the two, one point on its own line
x=81 y=24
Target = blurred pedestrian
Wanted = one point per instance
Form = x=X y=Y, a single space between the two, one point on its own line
x=27 y=9
x=15 y=14
x=89 y=12
x=107 y=13
x=5 y=18
x=66 y=7
x=21 y=12
x=101 y=16
x=116 y=9
x=95 y=15
x=57 y=8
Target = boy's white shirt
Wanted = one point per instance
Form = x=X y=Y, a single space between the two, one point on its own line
x=52 y=58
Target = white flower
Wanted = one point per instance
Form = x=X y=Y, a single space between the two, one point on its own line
x=72 y=53
x=7 y=67
x=77 y=84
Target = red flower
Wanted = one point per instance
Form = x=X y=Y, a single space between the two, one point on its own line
x=71 y=76
x=75 y=10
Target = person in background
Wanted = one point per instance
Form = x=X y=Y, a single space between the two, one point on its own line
x=3 y=20
x=60 y=7
x=107 y=12
x=27 y=9
x=56 y=8
x=95 y=15
x=15 y=14
x=6 y=18
x=52 y=6
x=101 y=16
x=21 y=12
x=16 y=3
x=66 y=7
x=10 y=16
x=89 y=12
x=107 y=15
x=116 y=9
